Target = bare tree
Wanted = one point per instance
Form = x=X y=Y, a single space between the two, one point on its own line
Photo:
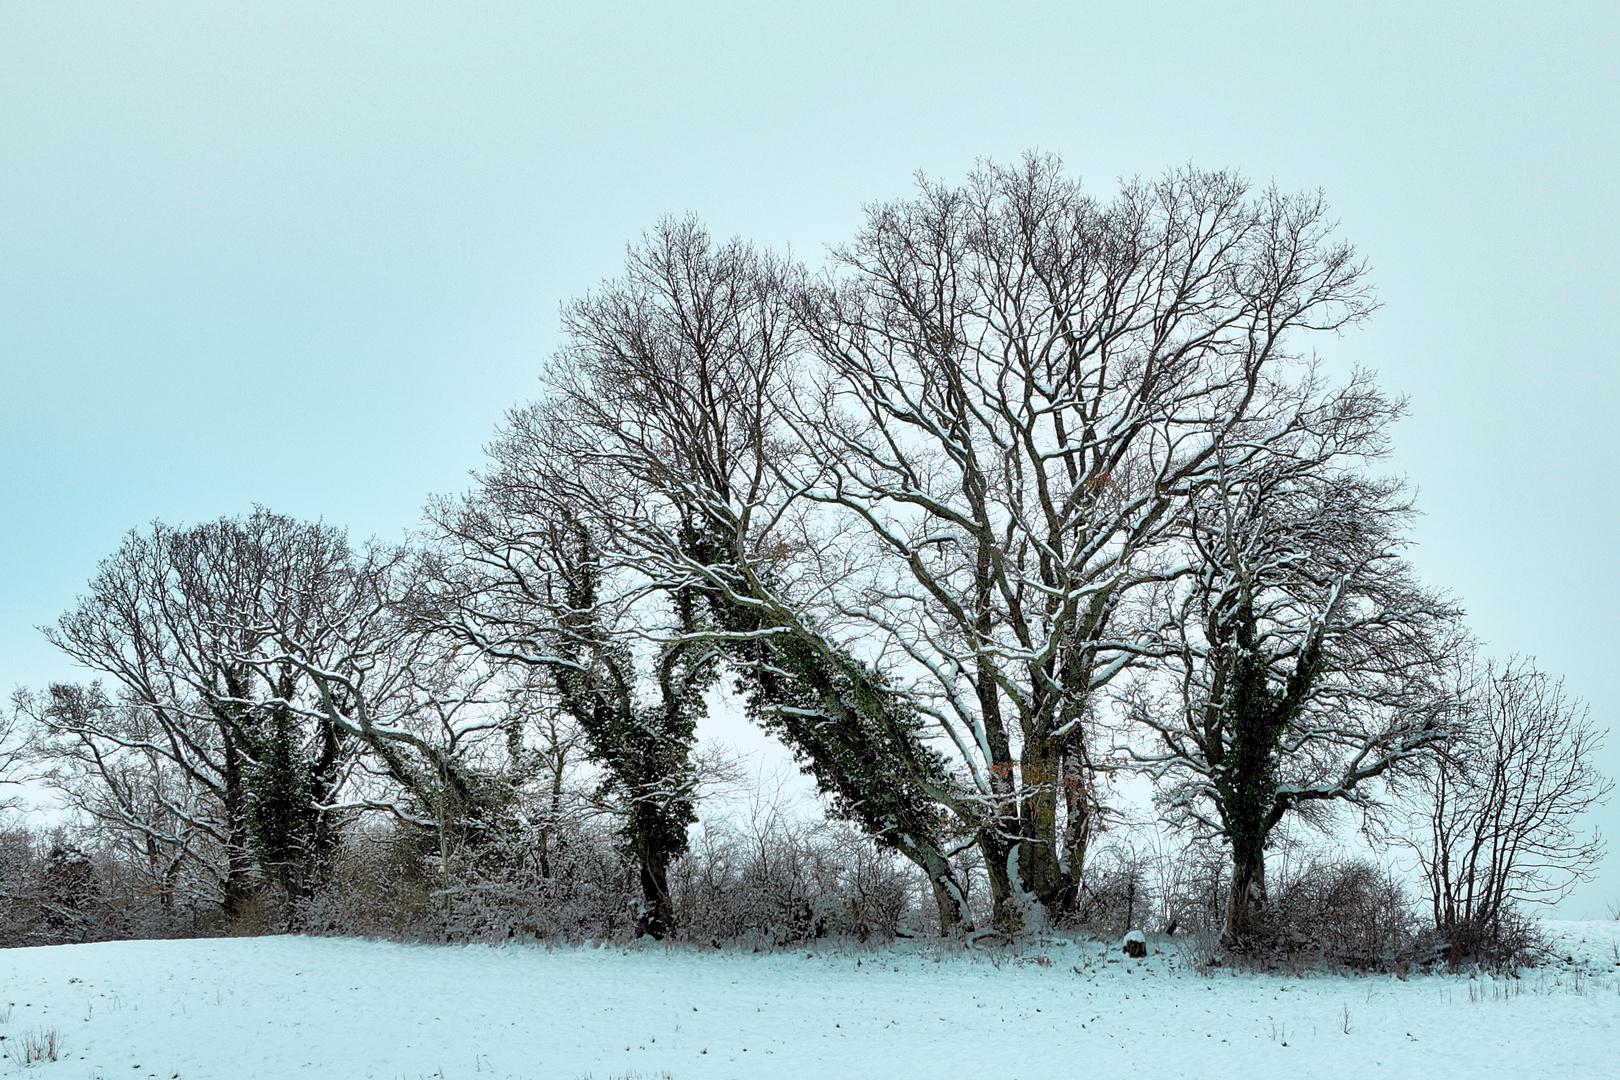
x=172 y=618
x=664 y=435
x=15 y=764
x=1015 y=389
x=1496 y=822
x=442 y=727
x=551 y=761
x=105 y=758
x=525 y=584
x=1300 y=658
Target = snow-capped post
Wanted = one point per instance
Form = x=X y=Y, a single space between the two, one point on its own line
x=1135 y=944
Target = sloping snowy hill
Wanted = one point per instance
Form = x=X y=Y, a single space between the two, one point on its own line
x=304 y=1007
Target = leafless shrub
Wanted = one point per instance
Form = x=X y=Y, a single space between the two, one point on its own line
x=40 y=1044
x=1493 y=823
x=1116 y=893
x=767 y=880
x=383 y=884
x=1512 y=941
x=68 y=885
x=1321 y=910
x=778 y=882
x=1200 y=950
x=1344 y=911
x=1192 y=888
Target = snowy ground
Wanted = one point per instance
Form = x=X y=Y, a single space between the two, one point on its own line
x=302 y=1007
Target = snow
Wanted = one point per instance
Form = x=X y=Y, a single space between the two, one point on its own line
x=335 y=1008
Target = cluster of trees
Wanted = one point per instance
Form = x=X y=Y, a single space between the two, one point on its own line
x=1024 y=493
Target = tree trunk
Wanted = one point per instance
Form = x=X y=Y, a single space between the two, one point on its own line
x=841 y=716
x=238 y=884
x=657 y=916
x=1006 y=892
x=324 y=833
x=1044 y=862
x=947 y=890
x=949 y=906
x=1247 y=898
x=1256 y=715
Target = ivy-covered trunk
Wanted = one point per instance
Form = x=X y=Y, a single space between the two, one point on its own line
x=860 y=743
x=1247 y=898
x=1255 y=716
x=238 y=883
x=654 y=843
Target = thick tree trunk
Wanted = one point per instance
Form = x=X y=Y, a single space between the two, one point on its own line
x=657 y=837
x=949 y=907
x=1246 y=775
x=1045 y=862
x=876 y=767
x=657 y=916
x=238 y=885
x=324 y=833
x=1247 y=897
x=1001 y=843
x=1007 y=914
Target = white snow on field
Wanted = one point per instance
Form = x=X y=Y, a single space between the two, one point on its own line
x=308 y=1007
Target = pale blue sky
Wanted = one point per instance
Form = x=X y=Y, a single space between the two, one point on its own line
x=305 y=257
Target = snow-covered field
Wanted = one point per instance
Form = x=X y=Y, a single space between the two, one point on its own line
x=305 y=1007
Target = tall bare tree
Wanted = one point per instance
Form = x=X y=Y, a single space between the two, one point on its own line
x=441 y=725
x=15 y=764
x=107 y=759
x=525 y=584
x=665 y=431
x=1015 y=388
x=1301 y=659
x=172 y=619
